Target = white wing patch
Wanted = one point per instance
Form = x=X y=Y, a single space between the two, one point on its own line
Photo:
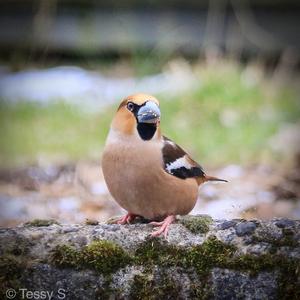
x=170 y=143
x=177 y=164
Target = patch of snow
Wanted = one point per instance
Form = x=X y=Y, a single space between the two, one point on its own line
x=90 y=90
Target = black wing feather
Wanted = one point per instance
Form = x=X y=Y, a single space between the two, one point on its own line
x=172 y=152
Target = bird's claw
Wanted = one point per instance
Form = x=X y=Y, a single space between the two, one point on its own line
x=156 y=223
x=126 y=219
x=164 y=229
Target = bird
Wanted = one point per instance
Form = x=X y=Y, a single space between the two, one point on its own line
x=148 y=174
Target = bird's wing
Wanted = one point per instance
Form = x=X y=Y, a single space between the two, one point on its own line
x=178 y=163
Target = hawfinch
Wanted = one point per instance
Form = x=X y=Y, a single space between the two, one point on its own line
x=147 y=173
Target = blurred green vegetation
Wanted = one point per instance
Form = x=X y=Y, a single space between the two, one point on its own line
x=228 y=118
x=56 y=132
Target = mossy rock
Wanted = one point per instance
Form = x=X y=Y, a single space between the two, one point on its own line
x=145 y=286
x=91 y=222
x=150 y=263
x=196 y=224
x=11 y=269
x=40 y=223
x=103 y=256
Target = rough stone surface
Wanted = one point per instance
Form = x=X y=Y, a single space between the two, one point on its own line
x=245 y=228
x=229 y=284
x=226 y=259
x=227 y=224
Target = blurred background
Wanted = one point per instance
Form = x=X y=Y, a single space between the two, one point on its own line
x=226 y=73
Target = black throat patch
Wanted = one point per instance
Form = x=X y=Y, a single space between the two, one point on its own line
x=146 y=130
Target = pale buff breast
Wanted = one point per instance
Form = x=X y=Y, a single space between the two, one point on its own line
x=135 y=177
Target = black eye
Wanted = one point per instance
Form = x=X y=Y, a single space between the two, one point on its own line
x=130 y=106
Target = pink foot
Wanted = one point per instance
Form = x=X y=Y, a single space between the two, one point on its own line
x=126 y=219
x=164 y=226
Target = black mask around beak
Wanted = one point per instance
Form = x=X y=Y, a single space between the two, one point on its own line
x=148 y=113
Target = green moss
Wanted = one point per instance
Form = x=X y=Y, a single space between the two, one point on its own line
x=202 y=257
x=289 y=238
x=200 y=289
x=196 y=224
x=289 y=283
x=142 y=287
x=157 y=252
x=11 y=268
x=91 y=222
x=212 y=253
x=102 y=256
x=40 y=223
x=65 y=256
x=146 y=287
x=106 y=257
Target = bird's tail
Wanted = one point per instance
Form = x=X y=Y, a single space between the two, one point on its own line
x=206 y=178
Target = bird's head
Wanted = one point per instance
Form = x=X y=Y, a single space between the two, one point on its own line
x=138 y=115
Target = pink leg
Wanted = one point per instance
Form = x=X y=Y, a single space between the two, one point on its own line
x=126 y=219
x=164 y=226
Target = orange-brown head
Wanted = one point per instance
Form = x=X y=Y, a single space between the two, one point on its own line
x=138 y=114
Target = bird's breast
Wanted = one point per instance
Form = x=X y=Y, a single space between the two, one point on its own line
x=136 y=179
x=129 y=168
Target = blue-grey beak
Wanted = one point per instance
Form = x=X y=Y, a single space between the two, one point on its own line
x=148 y=113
